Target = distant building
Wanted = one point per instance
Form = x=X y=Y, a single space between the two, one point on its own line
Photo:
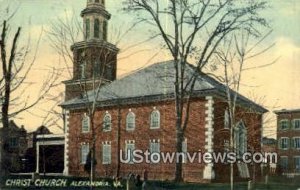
x=50 y=153
x=269 y=145
x=288 y=137
x=30 y=157
x=14 y=147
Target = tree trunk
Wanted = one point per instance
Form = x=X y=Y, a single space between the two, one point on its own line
x=118 y=142
x=178 y=168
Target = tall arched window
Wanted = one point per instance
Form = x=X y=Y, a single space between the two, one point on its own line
x=85 y=124
x=107 y=122
x=155 y=119
x=240 y=138
x=105 y=30
x=96 y=28
x=130 y=121
x=87 y=28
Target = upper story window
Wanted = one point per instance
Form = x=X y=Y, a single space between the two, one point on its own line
x=284 y=124
x=82 y=70
x=105 y=30
x=296 y=142
x=96 y=28
x=226 y=119
x=96 y=70
x=87 y=28
x=13 y=142
x=130 y=121
x=155 y=119
x=107 y=122
x=284 y=143
x=240 y=138
x=296 y=124
x=85 y=124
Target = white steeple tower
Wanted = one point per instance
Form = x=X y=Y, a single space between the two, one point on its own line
x=95 y=19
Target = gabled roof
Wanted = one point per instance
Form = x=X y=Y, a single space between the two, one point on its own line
x=155 y=82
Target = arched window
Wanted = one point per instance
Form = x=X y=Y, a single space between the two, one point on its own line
x=226 y=119
x=155 y=119
x=96 y=28
x=107 y=122
x=240 y=138
x=130 y=121
x=105 y=30
x=82 y=70
x=87 y=28
x=85 y=124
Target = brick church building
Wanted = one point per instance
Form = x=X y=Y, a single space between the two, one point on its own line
x=138 y=112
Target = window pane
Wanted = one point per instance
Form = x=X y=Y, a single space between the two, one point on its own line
x=283 y=124
x=130 y=147
x=84 y=153
x=130 y=121
x=96 y=28
x=85 y=124
x=87 y=25
x=155 y=119
x=296 y=124
x=107 y=122
x=106 y=154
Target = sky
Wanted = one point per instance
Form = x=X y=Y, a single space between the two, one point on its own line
x=278 y=84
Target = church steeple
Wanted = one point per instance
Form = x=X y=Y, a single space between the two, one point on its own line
x=94 y=59
x=95 y=19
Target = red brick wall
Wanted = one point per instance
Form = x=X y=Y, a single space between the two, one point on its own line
x=143 y=134
x=252 y=122
x=290 y=133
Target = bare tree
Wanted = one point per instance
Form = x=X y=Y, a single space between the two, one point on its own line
x=63 y=34
x=193 y=31
x=15 y=69
x=234 y=56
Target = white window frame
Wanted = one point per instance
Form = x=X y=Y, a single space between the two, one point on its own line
x=85 y=128
x=297 y=168
x=287 y=162
x=155 y=119
x=130 y=116
x=240 y=138
x=105 y=123
x=130 y=145
x=281 y=143
x=106 y=153
x=280 y=124
x=154 y=146
x=295 y=143
x=84 y=151
x=184 y=150
x=294 y=124
x=226 y=119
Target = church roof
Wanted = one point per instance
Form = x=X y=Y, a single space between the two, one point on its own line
x=154 y=83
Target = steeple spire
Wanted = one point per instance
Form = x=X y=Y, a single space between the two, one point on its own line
x=95 y=19
x=95 y=59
